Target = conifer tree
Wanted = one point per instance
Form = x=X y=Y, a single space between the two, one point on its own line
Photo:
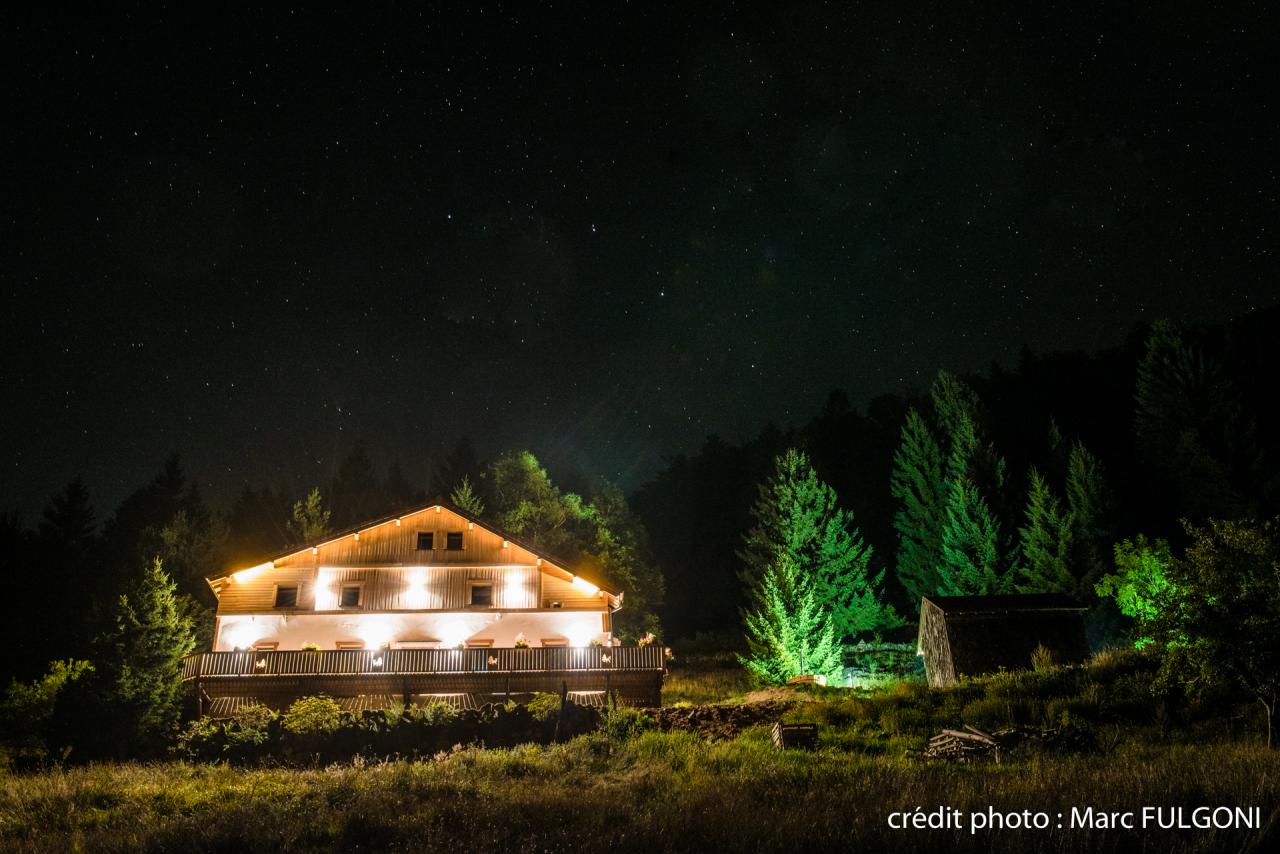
x=796 y=515
x=1046 y=543
x=465 y=498
x=971 y=561
x=1089 y=514
x=144 y=661
x=310 y=520
x=973 y=557
x=789 y=632
x=919 y=485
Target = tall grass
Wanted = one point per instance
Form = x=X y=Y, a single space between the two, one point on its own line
x=653 y=792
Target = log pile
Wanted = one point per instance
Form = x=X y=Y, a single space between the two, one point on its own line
x=968 y=745
x=972 y=745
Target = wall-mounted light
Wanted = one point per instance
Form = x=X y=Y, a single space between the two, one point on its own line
x=356 y=536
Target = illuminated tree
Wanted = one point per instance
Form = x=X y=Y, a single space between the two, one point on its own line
x=310 y=520
x=971 y=561
x=796 y=516
x=1046 y=543
x=1218 y=621
x=920 y=487
x=143 y=665
x=789 y=632
x=950 y=489
x=1140 y=584
x=465 y=498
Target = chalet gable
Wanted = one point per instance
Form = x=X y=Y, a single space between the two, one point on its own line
x=436 y=536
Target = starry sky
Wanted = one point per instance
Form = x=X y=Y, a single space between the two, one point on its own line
x=598 y=231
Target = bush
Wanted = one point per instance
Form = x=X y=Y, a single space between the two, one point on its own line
x=27 y=714
x=625 y=723
x=313 y=715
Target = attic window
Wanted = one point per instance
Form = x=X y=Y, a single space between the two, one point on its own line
x=286 y=597
x=426 y=541
x=481 y=595
x=350 y=596
x=453 y=541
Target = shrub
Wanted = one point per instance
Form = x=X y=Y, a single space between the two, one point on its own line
x=313 y=715
x=624 y=723
x=27 y=711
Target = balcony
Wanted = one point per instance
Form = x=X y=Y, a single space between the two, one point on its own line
x=632 y=674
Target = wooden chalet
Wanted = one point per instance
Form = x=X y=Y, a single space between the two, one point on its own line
x=972 y=635
x=428 y=605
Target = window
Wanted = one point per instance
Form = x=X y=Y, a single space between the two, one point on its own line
x=453 y=541
x=352 y=644
x=481 y=595
x=286 y=597
x=350 y=597
x=426 y=541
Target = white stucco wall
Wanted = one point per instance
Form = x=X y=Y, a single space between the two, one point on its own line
x=293 y=631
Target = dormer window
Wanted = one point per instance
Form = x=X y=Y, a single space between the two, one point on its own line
x=480 y=595
x=350 y=596
x=453 y=541
x=286 y=597
x=426 y=541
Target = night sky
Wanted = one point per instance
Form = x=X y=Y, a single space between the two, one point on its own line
x=259 y=238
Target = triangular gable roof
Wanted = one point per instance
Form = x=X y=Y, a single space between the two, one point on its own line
x=546 y=557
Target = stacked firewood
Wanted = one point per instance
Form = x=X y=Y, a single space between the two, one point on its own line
x=968 y=745
x=973 y=745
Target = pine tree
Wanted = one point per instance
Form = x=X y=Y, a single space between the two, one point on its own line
x=971 y=563
x=789 y=633
x=919 y=485
x=796 y=515
x=310 y=520
x=465 y=498
x=1089 y=512
x=973 y=557
x=1046 y=543
x=145 y=652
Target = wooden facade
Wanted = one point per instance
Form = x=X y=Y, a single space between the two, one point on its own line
x=428 y=602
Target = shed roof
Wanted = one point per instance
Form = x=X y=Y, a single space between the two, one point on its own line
x=1005 y=603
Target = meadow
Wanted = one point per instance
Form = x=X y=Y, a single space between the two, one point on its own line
x=632 y=788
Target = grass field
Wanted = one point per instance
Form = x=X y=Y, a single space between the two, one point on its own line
x=679 y=792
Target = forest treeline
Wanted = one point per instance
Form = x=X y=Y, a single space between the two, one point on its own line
x=1174 y=424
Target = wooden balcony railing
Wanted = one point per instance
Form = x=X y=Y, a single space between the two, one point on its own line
x=409 y=662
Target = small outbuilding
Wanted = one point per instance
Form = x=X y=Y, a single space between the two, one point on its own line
x=972 y=635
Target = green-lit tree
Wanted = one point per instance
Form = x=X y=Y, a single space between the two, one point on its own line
x=1140 y=584
x=949 y=482
x=919 y=485
x=789 y=632
x=971 y=560
x=143 y=665
x=309 y=522
x=1218 y=622
x=796 y=515
x=466 y=499
x=1045 y=543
